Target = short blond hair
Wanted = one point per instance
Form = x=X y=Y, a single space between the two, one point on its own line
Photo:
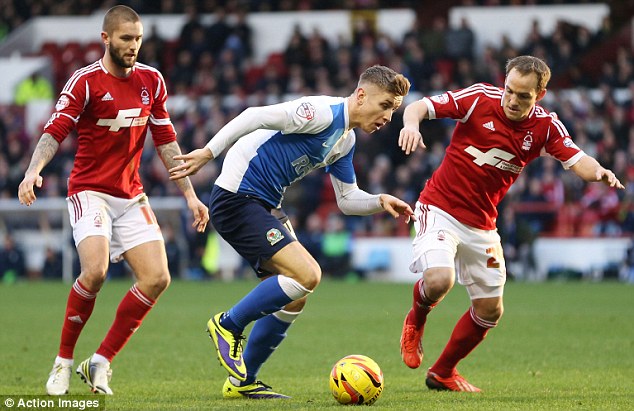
x=385 y=78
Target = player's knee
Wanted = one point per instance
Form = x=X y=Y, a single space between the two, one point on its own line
x=154 y=285
x=438 y=282
x=93 y=276
x=311 y=277
x=489 y=309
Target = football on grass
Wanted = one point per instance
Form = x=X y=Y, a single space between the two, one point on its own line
x=356 y=380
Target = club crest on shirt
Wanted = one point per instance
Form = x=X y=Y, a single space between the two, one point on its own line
x=441 y=235
x=441 y=98
x=62 y=103
x=528 y=141
x=306 y=110
x=145 y=96
x=274 y=236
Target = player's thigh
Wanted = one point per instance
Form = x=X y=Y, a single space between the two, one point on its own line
x=249 y=226
x=481 y=265
x=135 y=224
x=296 y=262
x=435 y=245
x=93 y=254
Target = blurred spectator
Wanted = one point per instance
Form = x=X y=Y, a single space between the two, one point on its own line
x=34 y=87
x=336 y=247
x=12 y=265
x=460 y=41
x=53 y=265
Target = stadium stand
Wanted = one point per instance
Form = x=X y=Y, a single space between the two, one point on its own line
x=595 y=102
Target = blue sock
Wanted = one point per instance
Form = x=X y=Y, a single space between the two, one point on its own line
x=267 y=333
x=267 y=297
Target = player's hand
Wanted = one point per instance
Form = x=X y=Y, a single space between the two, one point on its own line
x=192 y=162
x=396 y=207
x=200 y=213
x=26 y=195
x=608 y=177
x=410 y=139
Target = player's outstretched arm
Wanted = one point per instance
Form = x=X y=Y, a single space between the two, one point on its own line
x=410 y=137
x=590 y=170
x=169 y=153
x=44 y=152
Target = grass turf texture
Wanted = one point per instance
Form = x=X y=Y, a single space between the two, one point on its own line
x=560 y=346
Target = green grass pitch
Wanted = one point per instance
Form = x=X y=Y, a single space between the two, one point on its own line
x=559 y=346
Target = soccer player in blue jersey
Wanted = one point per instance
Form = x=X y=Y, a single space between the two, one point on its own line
x=275 y=146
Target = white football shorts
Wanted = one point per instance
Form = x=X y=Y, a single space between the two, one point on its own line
x=125 y=222
x=476 y=255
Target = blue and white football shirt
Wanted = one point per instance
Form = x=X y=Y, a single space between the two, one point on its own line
x=264 y=162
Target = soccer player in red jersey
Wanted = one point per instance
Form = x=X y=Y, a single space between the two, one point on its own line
x=112 y=103
x=499 y=131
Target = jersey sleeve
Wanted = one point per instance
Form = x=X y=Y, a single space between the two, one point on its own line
x=560 y=144
x=71 y=103
x=306 y=116
x=458 y=104
x=160 y=124
x=343 y=168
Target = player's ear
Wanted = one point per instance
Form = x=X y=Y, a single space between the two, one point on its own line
x=361 y=93
x=104 y=38
x=541 y=94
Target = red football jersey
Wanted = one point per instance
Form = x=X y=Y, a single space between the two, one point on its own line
x=112 y=116
x=488 y=151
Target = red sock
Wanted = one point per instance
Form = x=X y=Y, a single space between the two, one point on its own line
x=421 y=305
x=78 y=309
x=132 y=309
x=468 y=333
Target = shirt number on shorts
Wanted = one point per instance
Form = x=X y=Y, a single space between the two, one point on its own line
x=494 y=260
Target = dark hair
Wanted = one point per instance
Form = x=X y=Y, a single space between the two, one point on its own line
x=387 y=79
x=117 y=15
x=529 y=64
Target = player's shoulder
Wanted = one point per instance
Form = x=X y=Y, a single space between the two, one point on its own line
x=321 y=107
x=145 y=70
x=319 y=101
x=84 y=74
x=486 y=90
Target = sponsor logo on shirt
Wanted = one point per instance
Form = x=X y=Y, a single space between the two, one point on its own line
x=494 y=157
x=62 y=103
x=569 y=143
x=107 y=97
x=306 y=110
x=489 y=125
x=125 y=118
x=441 y=98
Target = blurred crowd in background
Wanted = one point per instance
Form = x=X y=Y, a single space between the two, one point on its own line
x=211 y=77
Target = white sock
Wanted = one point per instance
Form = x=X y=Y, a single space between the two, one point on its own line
x=99 y=359
x=64 y=361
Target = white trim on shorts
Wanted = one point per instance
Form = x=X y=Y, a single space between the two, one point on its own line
x=475 y=255
x=126 y=223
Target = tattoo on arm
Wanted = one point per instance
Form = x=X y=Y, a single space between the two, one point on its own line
x=44 y=152
x=167 y=153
